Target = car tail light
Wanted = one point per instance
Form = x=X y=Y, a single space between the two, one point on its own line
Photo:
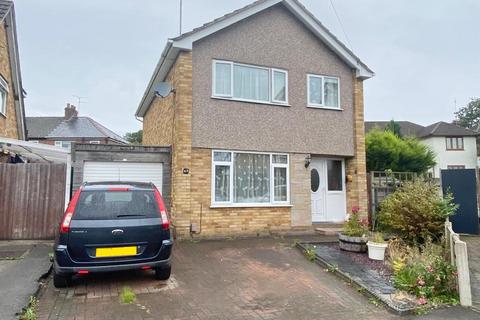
x=83 y=272
x=67 y=218
x=163 y=210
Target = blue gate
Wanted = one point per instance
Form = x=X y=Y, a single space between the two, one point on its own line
x=462 y=184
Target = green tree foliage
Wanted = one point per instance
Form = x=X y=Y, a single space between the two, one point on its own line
x=469 y=116
x=416 y=212
x=385 y=150
x=134 y=137
x=395 y=128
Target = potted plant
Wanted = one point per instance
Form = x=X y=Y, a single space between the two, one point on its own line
x=377 y=246
x=353 y=236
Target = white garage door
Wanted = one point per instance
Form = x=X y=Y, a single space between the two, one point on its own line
x=123 y=171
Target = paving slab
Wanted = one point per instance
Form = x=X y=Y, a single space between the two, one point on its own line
x=22 y=264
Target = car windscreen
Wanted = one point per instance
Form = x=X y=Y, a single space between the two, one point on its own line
x=107 y=205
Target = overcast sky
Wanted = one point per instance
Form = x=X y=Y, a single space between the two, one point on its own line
x=426 y=54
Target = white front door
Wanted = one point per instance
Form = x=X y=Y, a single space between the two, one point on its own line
x=328 y=196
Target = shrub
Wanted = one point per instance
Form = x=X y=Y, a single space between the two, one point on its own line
x=354 y=227
x=385 y=150
x=415 y=212
x=428 y=275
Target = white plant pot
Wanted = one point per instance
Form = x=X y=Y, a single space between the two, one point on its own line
x=376 y=251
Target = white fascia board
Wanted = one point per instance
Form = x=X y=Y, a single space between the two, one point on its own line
x=167 y=59
x=187 y=42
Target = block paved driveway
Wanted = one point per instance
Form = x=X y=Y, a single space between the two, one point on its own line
x=236 y=279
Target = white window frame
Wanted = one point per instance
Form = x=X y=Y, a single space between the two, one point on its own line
x=230 y=203
x=270 y=83
x=59 y=143
x=34 y=141
x=3 y=102
x=322 y=105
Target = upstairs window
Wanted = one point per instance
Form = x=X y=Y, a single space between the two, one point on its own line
x=3 y=95
x=323 y=91
x=249 y=83
x=454 y=143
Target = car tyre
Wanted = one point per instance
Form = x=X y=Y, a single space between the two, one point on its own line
x=163 y=273
x=61 y=280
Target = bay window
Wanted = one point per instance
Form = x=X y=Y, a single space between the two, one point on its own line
x=245 y=178
x=243 y=82
x=323 y=91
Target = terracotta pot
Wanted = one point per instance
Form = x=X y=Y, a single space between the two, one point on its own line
x=352 y=244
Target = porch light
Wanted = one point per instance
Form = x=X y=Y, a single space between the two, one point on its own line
x=308 y=159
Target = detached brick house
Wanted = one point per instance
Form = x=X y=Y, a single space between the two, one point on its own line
x=265 y=120
x=12 y=112
x=62 y=131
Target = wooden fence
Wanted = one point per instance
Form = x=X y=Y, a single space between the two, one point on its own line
x=32 y=199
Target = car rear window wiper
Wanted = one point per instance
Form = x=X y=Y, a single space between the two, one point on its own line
x=130 y=215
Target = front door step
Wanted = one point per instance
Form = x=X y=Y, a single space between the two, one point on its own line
x=328 y=230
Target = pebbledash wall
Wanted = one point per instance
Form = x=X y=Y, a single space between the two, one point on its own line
x=193 y=123
x=8 y=122
x=191 y=192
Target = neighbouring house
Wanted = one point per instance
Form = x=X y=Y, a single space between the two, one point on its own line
x=12 y=112
x=265 y=121
x=455 y=147
x=62 y=131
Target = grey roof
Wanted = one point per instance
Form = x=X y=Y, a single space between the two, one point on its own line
x=77 y=127
x=40 y=127
x=5 y=6
x=438 y=129
x=235 y=12
x=441 y=129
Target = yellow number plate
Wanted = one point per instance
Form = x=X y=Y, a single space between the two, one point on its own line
x=115 y=252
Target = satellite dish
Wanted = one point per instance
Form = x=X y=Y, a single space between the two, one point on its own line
x=163 y=89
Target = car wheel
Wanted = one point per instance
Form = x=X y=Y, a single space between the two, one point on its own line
x=163 y=273
x=61 y=280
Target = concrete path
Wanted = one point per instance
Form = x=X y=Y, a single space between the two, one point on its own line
x=473 y=248
x=22 y=264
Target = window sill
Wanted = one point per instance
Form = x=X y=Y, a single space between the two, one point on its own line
x=251 y=205
x=326 y=108
x=253 y=101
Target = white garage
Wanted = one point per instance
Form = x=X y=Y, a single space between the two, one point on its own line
x=95 y=171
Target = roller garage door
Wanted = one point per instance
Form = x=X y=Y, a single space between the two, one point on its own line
x=94 y=171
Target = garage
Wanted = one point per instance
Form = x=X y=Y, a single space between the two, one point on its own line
x=94 y=171
x=106 y=162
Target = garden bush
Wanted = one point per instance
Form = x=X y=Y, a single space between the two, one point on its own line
x=415 y=212
x=354 y=226
x=427 y=273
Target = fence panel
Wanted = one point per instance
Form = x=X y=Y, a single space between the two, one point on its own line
x=32 y=198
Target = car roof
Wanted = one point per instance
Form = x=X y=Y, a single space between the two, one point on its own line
x=105 y=185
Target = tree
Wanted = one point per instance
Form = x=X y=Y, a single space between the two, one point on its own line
x=134 y=137
x=385 y=151
x=469 y=116
x=394 y=127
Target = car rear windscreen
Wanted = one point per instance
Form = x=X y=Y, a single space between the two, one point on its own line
x=107 y=205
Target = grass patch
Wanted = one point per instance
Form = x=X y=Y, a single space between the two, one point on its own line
x=30 y=312
x=127 y=295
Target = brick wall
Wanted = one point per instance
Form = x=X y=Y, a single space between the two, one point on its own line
x=356 y=167
x=221 y=222
x=8 y=124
